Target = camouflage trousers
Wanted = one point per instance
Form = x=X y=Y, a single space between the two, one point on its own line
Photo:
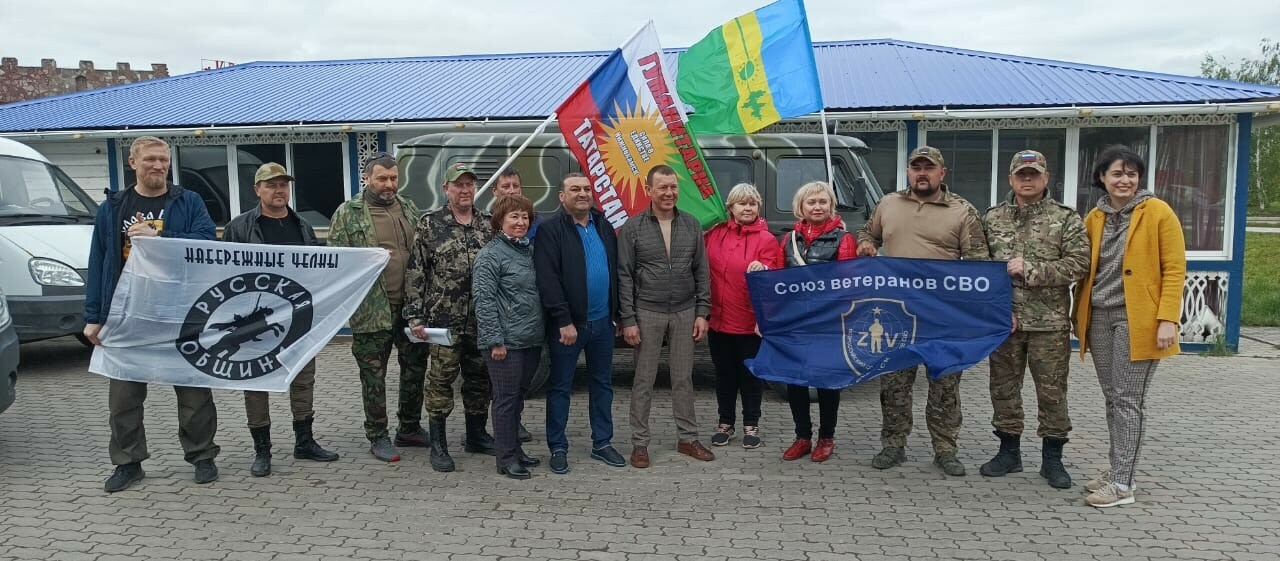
x=942 y=413
x=1048 y=354
x=446 y=363
x=372 y=351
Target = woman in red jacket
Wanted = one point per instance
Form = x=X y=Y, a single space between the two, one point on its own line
x=819 y=237
x=735 y=248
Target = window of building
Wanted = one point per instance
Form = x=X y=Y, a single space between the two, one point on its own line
x=319 y=187
x=1050 y=142
x=203 y=169
x=883 y=158
x=317 y=168
x=1092 y=142
x=968 y=157
x=1190 y=174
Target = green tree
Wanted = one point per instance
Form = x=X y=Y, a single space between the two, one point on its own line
x=1264 y=157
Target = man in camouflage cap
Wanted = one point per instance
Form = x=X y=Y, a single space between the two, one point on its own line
x=1046 y=249
x=273 y=222
x=925 y=221
x=380 y=217
x=438 y=283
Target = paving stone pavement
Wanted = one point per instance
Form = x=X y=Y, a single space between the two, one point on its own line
x=1207 y=482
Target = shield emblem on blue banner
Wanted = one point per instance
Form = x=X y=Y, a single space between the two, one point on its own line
x=873 y=328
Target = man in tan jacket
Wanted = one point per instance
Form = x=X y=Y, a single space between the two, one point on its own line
x=925 y=221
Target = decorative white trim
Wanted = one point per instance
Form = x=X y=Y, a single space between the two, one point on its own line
x=1066 y=122
x=842 y=126
x=1204 y=306
x=870 y=126
x=246 y=138
x=366 y=145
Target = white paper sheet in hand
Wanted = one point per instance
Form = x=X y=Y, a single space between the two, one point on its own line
x=435 y=336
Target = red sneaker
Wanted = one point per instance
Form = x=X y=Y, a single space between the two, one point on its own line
x=798 y=449
x=825 y=447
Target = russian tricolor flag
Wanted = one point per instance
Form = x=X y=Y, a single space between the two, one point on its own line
x=625 y=119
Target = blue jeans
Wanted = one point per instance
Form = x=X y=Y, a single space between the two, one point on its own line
x=597 y=340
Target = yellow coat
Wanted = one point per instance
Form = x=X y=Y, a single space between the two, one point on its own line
x=1154 y=270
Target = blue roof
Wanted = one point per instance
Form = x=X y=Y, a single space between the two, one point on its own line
x=881 y=74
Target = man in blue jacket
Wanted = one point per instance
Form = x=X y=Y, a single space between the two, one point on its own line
x=576 y=259
x=152 y=207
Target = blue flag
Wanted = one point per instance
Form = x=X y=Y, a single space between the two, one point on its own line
x=837 y=324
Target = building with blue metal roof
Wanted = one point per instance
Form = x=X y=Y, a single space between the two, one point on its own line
x=856 y=76
x=322 y=118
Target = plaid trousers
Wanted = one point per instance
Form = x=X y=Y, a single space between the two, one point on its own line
x=1124 y=385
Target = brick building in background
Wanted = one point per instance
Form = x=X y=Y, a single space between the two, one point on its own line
x=19 y=83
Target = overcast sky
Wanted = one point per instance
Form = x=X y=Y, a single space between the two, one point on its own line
x=1163 y=36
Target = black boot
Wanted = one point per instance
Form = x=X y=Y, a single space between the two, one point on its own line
x=305 y=446
x=440 y=459
x=478 y=440
x=261 y=451
x=515 y=470
x=1007 y=460
x=1051 y=467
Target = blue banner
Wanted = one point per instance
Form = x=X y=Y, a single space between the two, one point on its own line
x=837 y=324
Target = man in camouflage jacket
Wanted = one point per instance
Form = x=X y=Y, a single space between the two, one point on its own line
x=1046 y=248
x=438 y=286
x=380 y=217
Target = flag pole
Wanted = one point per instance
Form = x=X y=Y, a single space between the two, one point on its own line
x=826 y=147
x=518 y=151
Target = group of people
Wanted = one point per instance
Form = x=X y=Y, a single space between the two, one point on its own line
x=508 y=283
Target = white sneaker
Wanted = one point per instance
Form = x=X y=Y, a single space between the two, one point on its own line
x=1109 y=495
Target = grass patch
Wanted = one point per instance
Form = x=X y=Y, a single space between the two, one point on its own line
x=1272 y=210
x=1218 y=348
x=1261 y=298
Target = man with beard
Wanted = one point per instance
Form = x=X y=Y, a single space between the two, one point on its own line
x=150 y=208
x=381 y=217
x=925 y=221
x=439 y=295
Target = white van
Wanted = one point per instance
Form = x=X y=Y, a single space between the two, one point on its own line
x=46 y=224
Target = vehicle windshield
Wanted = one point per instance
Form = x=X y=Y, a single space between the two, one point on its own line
x=35 y=191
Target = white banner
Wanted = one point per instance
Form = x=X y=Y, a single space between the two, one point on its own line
x=229 y=315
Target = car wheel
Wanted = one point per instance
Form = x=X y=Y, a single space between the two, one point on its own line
x=540 y=376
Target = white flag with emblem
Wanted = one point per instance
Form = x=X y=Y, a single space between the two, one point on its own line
x=229 y=316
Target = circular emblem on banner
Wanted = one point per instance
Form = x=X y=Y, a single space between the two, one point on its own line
x=236 y=329
x=874 y=327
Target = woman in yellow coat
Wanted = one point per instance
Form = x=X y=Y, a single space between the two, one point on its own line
x=1128 y=307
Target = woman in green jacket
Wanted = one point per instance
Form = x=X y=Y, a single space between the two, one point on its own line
x=509 y=325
